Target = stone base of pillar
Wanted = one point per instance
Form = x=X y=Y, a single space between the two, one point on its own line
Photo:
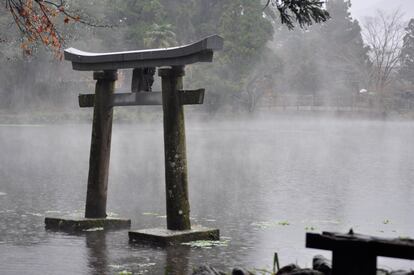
x=165 y=237
x=84 y=224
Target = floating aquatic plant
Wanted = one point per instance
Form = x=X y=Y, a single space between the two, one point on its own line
x=310 y=228
x=94 y=229
x=321 y=222
x=208 y=244
x=35 y=214
x=153 y=214
x=115 y=266
x=53 y=211
x=113 y=215
x=270 y=224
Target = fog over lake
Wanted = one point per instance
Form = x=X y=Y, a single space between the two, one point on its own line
x=295 y=123
x=264 y=182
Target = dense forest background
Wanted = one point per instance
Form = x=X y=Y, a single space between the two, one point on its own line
x=263 y=64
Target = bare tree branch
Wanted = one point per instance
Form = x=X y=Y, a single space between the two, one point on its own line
x=36 y=20
x=383 y=34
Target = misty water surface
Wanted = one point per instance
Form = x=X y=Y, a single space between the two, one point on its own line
x=264 y=182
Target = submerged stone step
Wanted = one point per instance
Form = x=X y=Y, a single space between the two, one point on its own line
x=165 y=237
x=83 y=224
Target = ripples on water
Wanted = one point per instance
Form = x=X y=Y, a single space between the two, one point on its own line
x=264 y=183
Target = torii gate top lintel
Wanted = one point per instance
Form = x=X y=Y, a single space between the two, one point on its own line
x=201 y=51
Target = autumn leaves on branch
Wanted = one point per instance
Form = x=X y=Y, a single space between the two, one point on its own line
x=36 y=21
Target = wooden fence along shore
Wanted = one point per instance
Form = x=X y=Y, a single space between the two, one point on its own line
x=358 y=103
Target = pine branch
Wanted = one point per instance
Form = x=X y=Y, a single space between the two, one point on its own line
x=303 y=12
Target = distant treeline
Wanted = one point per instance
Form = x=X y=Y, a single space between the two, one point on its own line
x=262 y=61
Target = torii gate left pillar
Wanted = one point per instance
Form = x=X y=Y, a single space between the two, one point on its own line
x=96 y=197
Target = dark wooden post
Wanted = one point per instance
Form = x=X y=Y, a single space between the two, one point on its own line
x=178 y=207
x=100 y=145
x=142 y=79
x=353 y=262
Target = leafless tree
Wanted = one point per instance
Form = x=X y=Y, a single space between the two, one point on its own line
x=384 y=35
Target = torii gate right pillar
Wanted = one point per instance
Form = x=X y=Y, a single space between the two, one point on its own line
x=179 y=228
x=176 y=184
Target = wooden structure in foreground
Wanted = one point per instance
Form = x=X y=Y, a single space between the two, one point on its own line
x=171 y=63
x=355 y=254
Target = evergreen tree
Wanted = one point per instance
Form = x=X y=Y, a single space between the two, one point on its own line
x=329 y=59
x=160 y=36
x=406 y=72
x=134 y=21
x=246 y=32
x=344 y=57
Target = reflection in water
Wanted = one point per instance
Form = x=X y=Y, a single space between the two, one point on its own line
x=177 y=260
x=244 y=177
x=97 y=252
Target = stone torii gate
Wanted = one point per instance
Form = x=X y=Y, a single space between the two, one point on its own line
x=170 y=63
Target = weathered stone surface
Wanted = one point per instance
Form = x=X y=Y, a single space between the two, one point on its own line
x=322 y=264
x=207 y=270
x=240 y=271
x=201 y=51
x=293 y=269
x=96 y=194
x=82 y=224
x=402 y=272
x=165 y=237
x=382 y=272
x=367 y=247
x=306 y=271
x=176 y=179
x=287 y=269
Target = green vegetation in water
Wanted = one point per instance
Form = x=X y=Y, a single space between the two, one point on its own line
x=35 y=214
x=94 y=229
x=260 y=271
x=270 y=224
x=150 y=214
x=112 y=215
x=125 y=272
x=209 y=244
x=52 y=212
x=310 y=228
x=405 y=238
x=153 y=214
x=321 y=222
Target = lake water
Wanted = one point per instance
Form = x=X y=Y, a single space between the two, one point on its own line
x=263 y=182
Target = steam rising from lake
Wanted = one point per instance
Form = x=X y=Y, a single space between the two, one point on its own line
x=264 y=182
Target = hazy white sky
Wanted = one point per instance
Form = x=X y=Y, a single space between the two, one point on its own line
x=363 y=8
